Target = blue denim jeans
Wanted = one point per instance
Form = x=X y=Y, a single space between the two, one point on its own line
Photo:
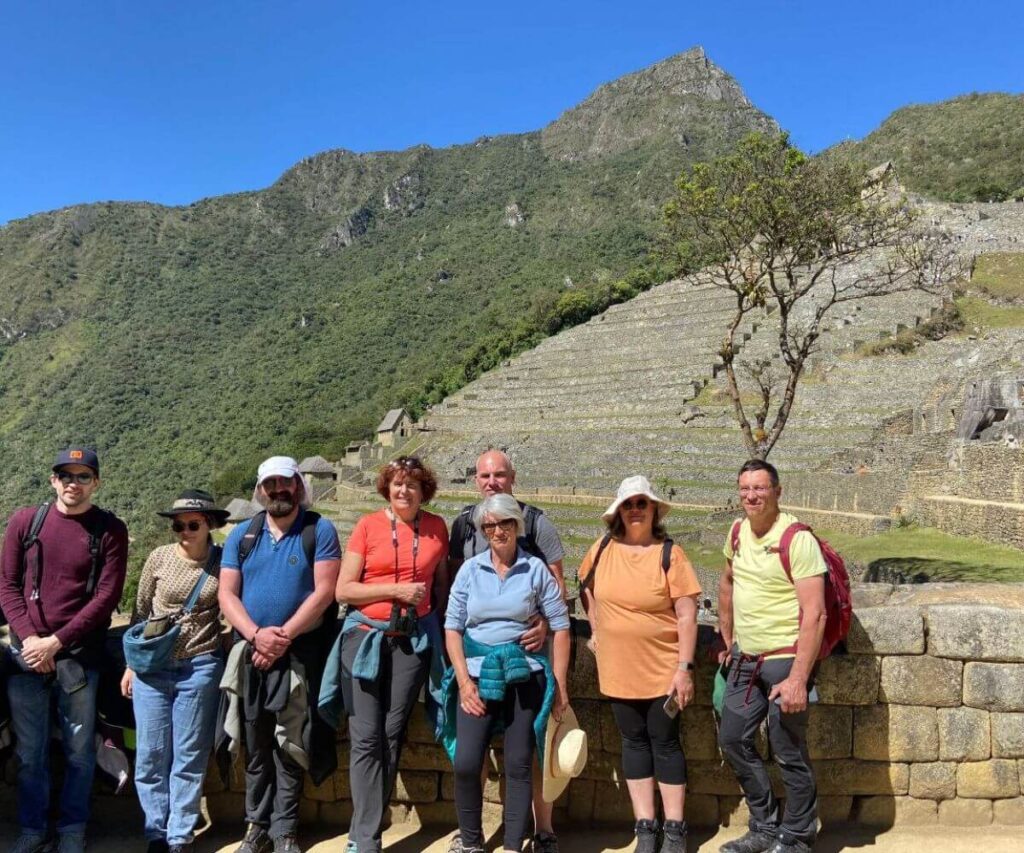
x=31 y=695
x=175 y=716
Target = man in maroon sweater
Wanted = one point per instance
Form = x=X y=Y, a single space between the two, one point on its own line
x=58 y=598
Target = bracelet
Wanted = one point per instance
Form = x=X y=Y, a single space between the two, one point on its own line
x=254 y=633
x=686 y=666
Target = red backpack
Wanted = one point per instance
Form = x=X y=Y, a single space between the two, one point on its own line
x=838 y=600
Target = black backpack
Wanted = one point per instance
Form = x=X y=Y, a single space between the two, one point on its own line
x=666 y=561
x=463 y=530
x=255 y=530
x=31 y=540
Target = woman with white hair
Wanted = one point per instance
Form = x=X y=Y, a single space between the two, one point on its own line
x=500 y=686
x=640 y=592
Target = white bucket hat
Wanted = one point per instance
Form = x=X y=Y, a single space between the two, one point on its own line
x=565 y=754
x=281 y=466
x=633 y=487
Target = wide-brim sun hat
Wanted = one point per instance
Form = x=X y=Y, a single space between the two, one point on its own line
x=634 y=487
x=565 y=754
x=196 y=500
x=281 y=466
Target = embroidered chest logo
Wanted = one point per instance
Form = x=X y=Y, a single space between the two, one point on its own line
x=293 y=560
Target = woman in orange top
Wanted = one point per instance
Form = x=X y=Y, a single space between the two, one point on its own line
x=644 y=621
x=394 y=559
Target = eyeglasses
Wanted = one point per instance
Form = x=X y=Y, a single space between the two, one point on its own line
x=83 y=478
x=506 y=524
x=639 y=503
x=182 y=526
x=755 y=490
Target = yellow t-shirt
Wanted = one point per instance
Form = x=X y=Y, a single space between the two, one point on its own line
x=765 y=611
x=637 y=633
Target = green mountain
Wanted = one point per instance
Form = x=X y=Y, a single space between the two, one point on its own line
x=967 y=149
x=186 y=343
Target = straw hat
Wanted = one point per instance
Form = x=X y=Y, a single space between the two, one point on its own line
x=633 y=487
x=565 y=754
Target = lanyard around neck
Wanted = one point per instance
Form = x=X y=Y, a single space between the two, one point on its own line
x=415 y=542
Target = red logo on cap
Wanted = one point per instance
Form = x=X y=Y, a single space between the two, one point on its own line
x=76 y=454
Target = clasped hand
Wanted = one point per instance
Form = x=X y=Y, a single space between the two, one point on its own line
x=268 y=645
x=39 y=652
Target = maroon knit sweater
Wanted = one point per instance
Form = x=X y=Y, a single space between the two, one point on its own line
x=63 y=608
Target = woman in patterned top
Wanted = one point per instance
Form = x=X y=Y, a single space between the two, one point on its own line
x=176 y=708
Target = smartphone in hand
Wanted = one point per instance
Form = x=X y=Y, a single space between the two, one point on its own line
x=671 y=705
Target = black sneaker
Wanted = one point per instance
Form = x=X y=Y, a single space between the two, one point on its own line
x=790 y=845
x=256 y=841
x=752 y=842
x=544 y=842
x=286 y=844
x=673 y=839
x=646 y=836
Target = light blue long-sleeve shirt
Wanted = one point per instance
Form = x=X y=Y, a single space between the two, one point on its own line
x=495 y=611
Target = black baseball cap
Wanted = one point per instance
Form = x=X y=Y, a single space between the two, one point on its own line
x=77 y=456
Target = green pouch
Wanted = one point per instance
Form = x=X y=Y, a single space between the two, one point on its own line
x=718 y=691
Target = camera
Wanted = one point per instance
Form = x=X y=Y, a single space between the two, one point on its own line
x=403 y=619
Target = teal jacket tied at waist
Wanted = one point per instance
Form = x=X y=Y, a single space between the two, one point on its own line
x=503 y=665
x=366 y=666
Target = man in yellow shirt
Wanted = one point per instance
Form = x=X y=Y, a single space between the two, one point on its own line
x=772 y=628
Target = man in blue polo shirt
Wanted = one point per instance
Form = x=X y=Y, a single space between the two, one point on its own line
x=274 y=599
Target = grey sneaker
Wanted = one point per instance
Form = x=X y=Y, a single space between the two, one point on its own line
x=646 y=836
x=752 y=842
x=71 y=842
x=455 y=846
x=29 y=842
x=286 y=844
x=673 y=839
x=256 y=841
x=544 y=842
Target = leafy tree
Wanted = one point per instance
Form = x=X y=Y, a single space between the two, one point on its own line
x=793 y=237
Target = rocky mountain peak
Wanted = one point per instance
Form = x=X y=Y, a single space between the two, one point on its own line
x=683 y=100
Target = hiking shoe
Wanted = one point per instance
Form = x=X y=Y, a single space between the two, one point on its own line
x=752 y=842
x=158 y=845
x=455 y=846
x=674 y=837
x=256 y=841
x=790 y=845
x=544 y=842
x=646 y=836
x=30 y=842
x=286 y=844
x=71 y=842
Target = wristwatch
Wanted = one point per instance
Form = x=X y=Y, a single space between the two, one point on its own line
x=686 y=666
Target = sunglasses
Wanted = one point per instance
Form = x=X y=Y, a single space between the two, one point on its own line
x=83 y=478
x=182 y=526
x=639 y=503
x=506 y=524
x=406 y=463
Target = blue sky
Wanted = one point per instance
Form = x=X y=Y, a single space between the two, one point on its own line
x=174 y=101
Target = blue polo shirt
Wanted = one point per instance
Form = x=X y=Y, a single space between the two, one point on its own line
x=276 y=577
x=495 y=611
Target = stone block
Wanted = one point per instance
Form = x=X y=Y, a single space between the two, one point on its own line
x=733 y=811
x=701 y=810
x=896 y=811
x=603 y=767
x=834 y=810
x=870 y=595
x=976 y=632
x=711 y=777
x=611 y=803
x=611 y=737
x=886 y=631
x=309 y=811
x=861 y=778
x=419 y=756
x=963 y=734
x=994 y=686
x=419 y=729
x=830 y=732
x=322 y=793
x=699 y=733
x=337 y=814
x=921 y=680
x=226 y=807
x=849 y=680
x=416 y=786
x=933 y=781
x=588 y=713
x=960 y=812
x=1007 y=735
x=895 y=733
x=1009 y=812
x=581 y=800
x=994 y=779
x=492 y=788
x=583 y=675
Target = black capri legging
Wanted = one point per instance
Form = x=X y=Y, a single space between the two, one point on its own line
x=650 y=741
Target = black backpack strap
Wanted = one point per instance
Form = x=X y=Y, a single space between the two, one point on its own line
x=530 y=516
x=462 y=532
x=32 y=539
x=251 y=536
x=96 y=550
x=309 y=521
x=592 y=577
x=666 y=555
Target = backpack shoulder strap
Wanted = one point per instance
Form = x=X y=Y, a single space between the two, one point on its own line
x=251 y=536
x=32 y=539
x=589 y=582
x=785 y=542
x=309 y=522
x=32 y=535
x=530 y=515
x=96 y=532
x=666 y=555
x=734 y=536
